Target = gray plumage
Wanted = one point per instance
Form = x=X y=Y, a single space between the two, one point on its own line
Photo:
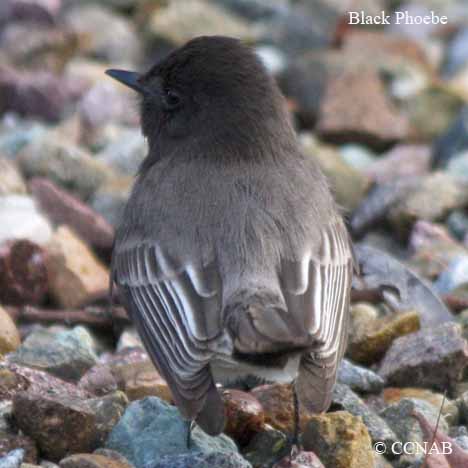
x=231 y=256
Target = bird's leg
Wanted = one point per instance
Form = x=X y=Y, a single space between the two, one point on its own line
x=295 y=447
x=190 y=425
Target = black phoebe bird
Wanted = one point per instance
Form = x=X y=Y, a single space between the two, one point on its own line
x=232 y=258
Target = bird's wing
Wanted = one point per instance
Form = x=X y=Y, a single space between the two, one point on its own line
x=176 y=309
x=317 y=292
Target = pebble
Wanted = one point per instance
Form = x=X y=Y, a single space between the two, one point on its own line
x=345 y=399
x=340 y=440
x=61 y=425
x=63 y=208
x=403 y=160
x=9 y=335
x=359 y=378
x=23 y=273
x=67 y=354
x=454 y=276
x=150 y=429
x=453 y=141
x=420 y=203
x=22 y=220
x=39 y=94
x=11 y=180
x=75 y=274
x=106 y=35
x=180 y=21
x=244 y=416
x=85 y=460
x=278 y=404
x=369 y=340
x=69 y=166
x=431 y=358
x=11 y=442
x=266 y=447
x=449 y=410
x=201 y=460
x=13 y=459
x=356 y=109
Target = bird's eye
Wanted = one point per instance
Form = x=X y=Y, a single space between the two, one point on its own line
x=172 y=99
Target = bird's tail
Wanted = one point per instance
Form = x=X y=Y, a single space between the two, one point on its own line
x=258 y=322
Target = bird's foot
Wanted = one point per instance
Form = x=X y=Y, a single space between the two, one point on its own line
x=188 y=440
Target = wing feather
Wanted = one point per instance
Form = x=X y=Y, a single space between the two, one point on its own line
x=176 y=309
x=317 y=288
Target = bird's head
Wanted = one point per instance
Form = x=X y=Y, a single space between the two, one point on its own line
x=212 y=87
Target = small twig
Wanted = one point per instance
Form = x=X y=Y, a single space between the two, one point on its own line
x=424 y=465
x=95 y=316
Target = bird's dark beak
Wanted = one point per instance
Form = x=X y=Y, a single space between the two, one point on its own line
x=128 y=78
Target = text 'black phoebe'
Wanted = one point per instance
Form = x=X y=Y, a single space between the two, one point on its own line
x=231 y=256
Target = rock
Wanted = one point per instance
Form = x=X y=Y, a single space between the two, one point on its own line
x=106 y=376
x=345 y=399
x=12 y=442
x=462 y=404
x=151 y=429
x=15 y=379
x=23 y=274
x=373 y=209
x=102 y=104
x=400 y=288
x=449 y=408
x=369 y=340
x=359 y=378
x=431 y=358
x=401 y=161
x=129 y=338
x=457 y=222
x=13 y=459
x=355 y=109
x=278 y=405
x=140 y=379
x=348 y=185
x=67 y=354
x=9 y=335
x=6 y=410
x=400 y=417
x=421 y=204
x=300 y=460
x=126 y=153
x=38 y=94
x=110 y=199
x=105 y=35
x=86 y=460
x=433 y=249
x=11 y=181
x=16 y=133
x=454 y=276
x=244 y=416
x=75 y=274
x=40 y=11
x=62 y=425
x=21 y=220
x=63 y=208
x=340 y=440
x=66 y=165
x=266 y=447
x=42 y=46
x=453 y=141
x=456 y=53
x=201 y=460
x=357 y=156
x=431 y=112
x=180 y=21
